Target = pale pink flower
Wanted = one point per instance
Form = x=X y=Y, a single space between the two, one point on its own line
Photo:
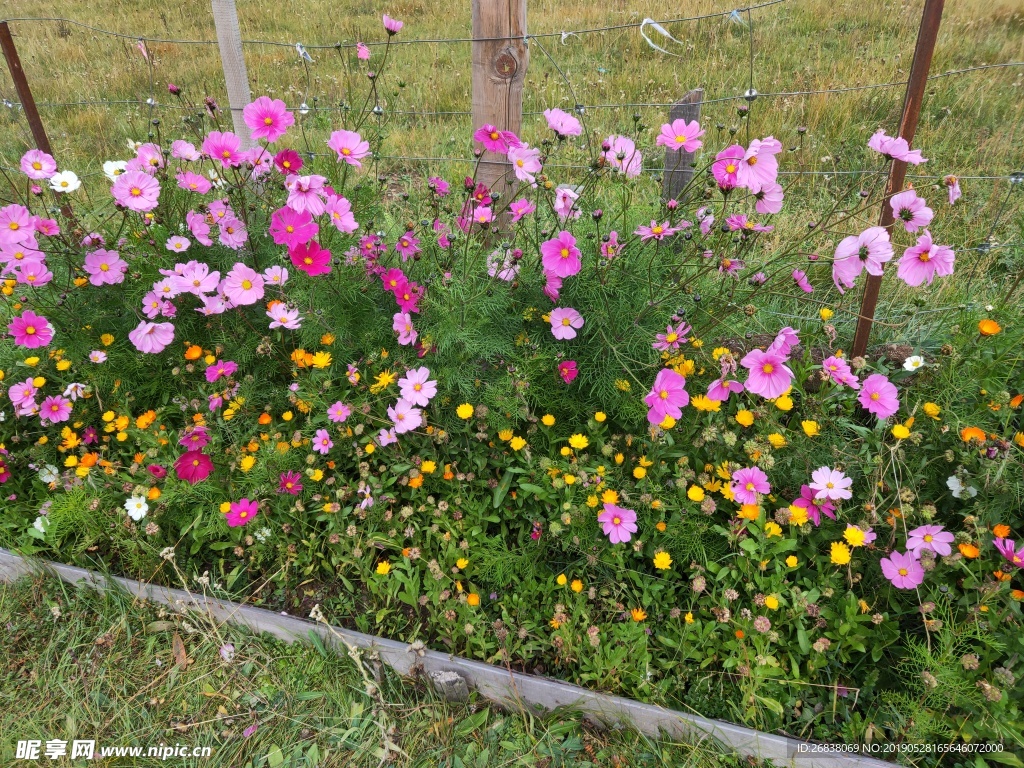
x=417 y=387
x=521 y=208
x=339 y=210
x=350 y=147
x=617 y=523
x=152 y=338
x=306 y=193
x=105 y=267
x=565 y=321
x=405 y=416
x=562 y=123
x=911 y=211
x=136 y=191
x=243 y=285
x=867 y=251
x=283 y=316
x=622 y=155
x=224 y=147
x=402 y=325
x=925 y=261
x=38 y=165
x=895 y=148
x=681 y=136
x=758 y=167
x=184 y=150
x=769 y=375
x=830 y=484
x=525 y=163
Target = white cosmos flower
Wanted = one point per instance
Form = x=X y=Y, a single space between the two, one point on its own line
x=133 y=146
x=958 y=489
x=41 y=524
x=65 y=181
x=75 y=390
x=913 y=362
x=49 y=474
x=114 y=168
x=136 y=507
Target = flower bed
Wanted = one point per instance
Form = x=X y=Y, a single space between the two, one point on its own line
x=547 y=427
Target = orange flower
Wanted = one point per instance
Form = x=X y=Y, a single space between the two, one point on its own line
x=193 y=352
x=1001 y=531
x=89 y=459
x=154 y=494
x=1017 y=594
x=416 y=482
x=989 y=327
x=448 y=474
x=265 y=418
x=1016 y=400
x=969 y=551
x=473 y=599
x=967 y=434
x=740 y=634
x=1000 y=576
x=273 y=303
x=138 y=458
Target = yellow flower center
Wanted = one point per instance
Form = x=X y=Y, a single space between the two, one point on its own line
x=875 y=396
x=104 y=268
x=616 y=521
x=928 y=538
x=565 y=321
x=564 y=253
x=749 y=486
x=768 y=368
x=268 y=121
x=30 y=330
x=670 y=337
x=37 y=165
x=289 y=228
x=657 y=230
x=247 y=284
x=925 y=256
x=346 y=151
x=730 y=168
x=226 y=154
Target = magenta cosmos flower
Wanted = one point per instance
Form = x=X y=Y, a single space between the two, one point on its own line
x=840 y=372
x=38 y=165
x=136 y=191
x=1006 y=549
x=311 y=258
x=338 y=413
x=496 y=140
x=568 y=371
x=288 y=161
x=521 y=208
x=224 y=147
x=867 y=251
x=322 y=442
x=747 y=483
x=565 y=321
x=292 y=228
x=655 y=232
x=152 y=338
x=267 y=119
x=55 y=409
x=30 y=330
x=815 y=507
x=243 y=285
x=912 y=211
x=672 y=337
x=241 y=512
x=562 y=123
x=769 y=375
x=405 y=416
x=392 y=26
x=879 y=396
x=667 y=397
x=830 y=484
x=903 y=570
x=290 y=482
x=618 y=524
x=408 y=245
x=220 y=369
x=680 y=135
x=105 y=267
x=193 y=467
x=194 y=438
x=560 y=256
x=929 y=537
x=350 y=147
x=925 y=261
x=417 y=387
x=726 y=166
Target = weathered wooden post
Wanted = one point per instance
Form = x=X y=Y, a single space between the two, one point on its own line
x=679 y=165
x=926 y=35
x=500 y=56
x=28 y=104
x=232 y=59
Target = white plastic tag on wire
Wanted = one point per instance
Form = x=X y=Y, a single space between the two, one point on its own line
x=303 y=53
x=567 y=35
x=661 y=31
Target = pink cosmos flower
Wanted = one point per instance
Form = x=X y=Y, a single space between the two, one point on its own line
x=727 y=165
x=292 y=228
x=339 y=210
x=929 y=537
x=622 y=155
x=322 y=442
x=769 y=375
x=521 y=208
x=290 y=482
x=953 y=183
x=392 y=26
x=902 y=570
x=769 y=198
x=740 y=221
x=496 y=140
x=562 y=123
x=407 y=245
x=408 y=298
x=748 y=483
x=405 y=416
x=565 y=203
x=895 y=148
x=267 y=119
x=243 y=285
x=15 y=224
x=912 y=211
x=680 y=136
x=241 y=512
x=55 y=409
x=784 y=341
x=525 y=163
x=879 y=396
x=46 y=227
x=387 y=437
x=23 y=393
x=815 y=507
x=195 y=437
x=503 y=267
x=1006 y=549
x=275 y=275
x=33 y=273
x=220 y=369
x=565 y=321
x=350 y=147
x=720 y=389
x=672 y=337
x=362 y=52
x=618 y=524
x=232 y=232
x=758 y=167
x=224 y=147
x=184 y=150
x=136 y=191
x=655 y=232
x=197 y=279
x=105 y=267
x=830 y=484
x=311 y=258
x=800 y=278
x=667 y=397
x=560 y=256
x=438 y=186
x=925 y=261
x=38 y=165
x=568 y=371
x=288 y=161
x=306 y=193
x=283 y=316
x=610 y=247
x=338 y=413
x=552 y=285
x=30 y=330
x=867 y=251
x=199 y=227
x=417 y=388
x=177 y=244
x=149 y=158
x=152 y=338
x=840 y=372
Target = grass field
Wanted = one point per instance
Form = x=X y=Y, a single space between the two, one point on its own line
x=77 y=664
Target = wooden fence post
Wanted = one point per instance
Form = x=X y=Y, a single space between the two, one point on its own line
x=679 y=165
x=500 y=56
x=232 y=59
x=926 y=35
x=24 y=92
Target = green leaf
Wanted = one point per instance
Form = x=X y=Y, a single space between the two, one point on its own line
x=274 y=757
x=502 y=489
